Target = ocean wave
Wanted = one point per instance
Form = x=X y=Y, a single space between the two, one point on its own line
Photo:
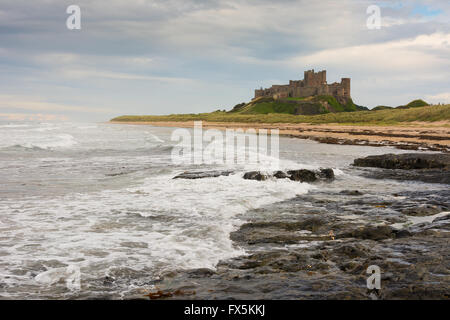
x=58 y=141
x=14 y=125
x=43 y=129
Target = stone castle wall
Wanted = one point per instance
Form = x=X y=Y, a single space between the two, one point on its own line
x=313 y=83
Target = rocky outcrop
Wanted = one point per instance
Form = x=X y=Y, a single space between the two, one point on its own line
x=302 y=175
x=307 y=248
x=319 y=245
x=255 y=175
x=426 y=167
x=202 y=174
x=406 y=161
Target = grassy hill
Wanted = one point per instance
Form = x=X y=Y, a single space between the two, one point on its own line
x=304 y=106
x=381 y=108
x=414 y=104
x=380 y=117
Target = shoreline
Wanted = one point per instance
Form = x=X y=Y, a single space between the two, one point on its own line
x=415 y=136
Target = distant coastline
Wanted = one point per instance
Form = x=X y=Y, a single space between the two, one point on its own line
x=425 y=128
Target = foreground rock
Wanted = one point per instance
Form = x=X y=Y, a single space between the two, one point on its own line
x=406 y=161
x=433 y=168
x=255 y=175
x=302 y=175
x=308 y=248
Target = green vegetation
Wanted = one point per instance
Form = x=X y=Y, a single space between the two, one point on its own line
x=305 y=106
x=414 y=104
x=380 y=117
x=271 y=107
x=381 y=108
x=295 y=99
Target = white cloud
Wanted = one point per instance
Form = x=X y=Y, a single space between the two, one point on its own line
x=443 y=97
x=423 y=53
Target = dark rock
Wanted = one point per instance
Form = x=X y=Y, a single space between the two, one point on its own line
x=402 y=233
x=406 y=161
x=351 y=251
x=202 y=174
x=422 y=210
x=432 y=168
x=302 y=175
x=305 y=248
x=351 y=192
x=280 y=175
x=425 y=175
x=371 y=233
x=278 y=231
x=326 y=174
x=255 y=175
x=200 y=273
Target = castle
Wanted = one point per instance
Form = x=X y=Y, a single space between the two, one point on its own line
x=313 y=84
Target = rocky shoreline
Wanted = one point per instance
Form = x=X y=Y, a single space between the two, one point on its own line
x=319 y=245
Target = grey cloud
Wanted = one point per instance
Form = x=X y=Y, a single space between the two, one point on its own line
x=213 y=52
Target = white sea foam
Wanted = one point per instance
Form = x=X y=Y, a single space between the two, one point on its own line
x=50 y=142
x=182 y=224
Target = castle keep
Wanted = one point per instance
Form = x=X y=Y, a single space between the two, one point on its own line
x=313 y=84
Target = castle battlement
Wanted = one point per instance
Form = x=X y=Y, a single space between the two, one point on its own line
x=313 y=84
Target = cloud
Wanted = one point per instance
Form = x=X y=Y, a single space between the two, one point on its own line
x=36 y=104
x=425 y=52
x=95 y=73
x=169 y=56
x=443 y=97
x=32 y=117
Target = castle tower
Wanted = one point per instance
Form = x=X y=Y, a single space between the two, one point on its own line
x=313 y=79
x=308 y=77
x=346 y=85
x=322 y=77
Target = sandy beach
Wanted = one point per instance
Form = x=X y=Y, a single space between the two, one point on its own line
x=434 y=136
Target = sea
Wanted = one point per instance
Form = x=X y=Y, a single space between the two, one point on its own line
x=91 y=210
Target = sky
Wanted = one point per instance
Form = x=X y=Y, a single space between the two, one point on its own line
x=191 y=56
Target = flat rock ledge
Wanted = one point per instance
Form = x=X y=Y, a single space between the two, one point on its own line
x=426 y=167
x=406 y=161
x=202 y=174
